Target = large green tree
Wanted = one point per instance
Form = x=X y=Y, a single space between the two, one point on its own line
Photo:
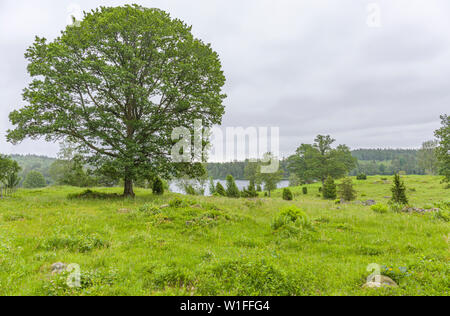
x=34 y=179
x=117 y=84
x=320 y=160
x=443 y=151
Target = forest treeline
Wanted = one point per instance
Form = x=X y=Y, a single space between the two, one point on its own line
x=370 y=162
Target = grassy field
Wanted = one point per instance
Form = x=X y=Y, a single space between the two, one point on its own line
x=176 y=245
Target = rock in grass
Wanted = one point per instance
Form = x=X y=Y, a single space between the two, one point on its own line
x=369 y=203
x=58 y=268
x=378 y=281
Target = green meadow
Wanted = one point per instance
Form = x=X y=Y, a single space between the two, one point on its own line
x=191 y=245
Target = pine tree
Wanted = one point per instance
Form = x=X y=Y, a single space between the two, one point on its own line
x=287 y=195
x=220 y=190
x=346 y=190
x=251 y=189
x=158 y=187
x=399 y=191
x=232 y=189
x=329 y=189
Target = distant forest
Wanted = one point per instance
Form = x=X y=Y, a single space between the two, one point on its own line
x=370 y=162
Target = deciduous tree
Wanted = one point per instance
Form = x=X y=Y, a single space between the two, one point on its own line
x=117 y=84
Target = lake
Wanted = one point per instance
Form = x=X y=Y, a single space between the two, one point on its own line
x=241 y=184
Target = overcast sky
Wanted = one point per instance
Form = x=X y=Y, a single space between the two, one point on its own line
x=309 y=67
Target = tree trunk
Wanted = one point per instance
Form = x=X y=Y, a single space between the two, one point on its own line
x=128 y=189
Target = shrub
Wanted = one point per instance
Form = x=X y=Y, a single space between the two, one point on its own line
x=232 y=189
x=442 y=215
x=329 y=189
x=305 y=190
x=92 y=195
x=395 y=207
x=379 y=208
x=361 y=176
x=291 y=215
x=220 y=190
x=34 y=179
x=287 y=195
x=399 y=191
x=346 y=190
x=158 y=187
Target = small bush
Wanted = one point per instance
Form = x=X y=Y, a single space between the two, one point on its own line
x=442 y=214
x=346 y=190
x=158 y=187
x=329 y=189
x=305 y=190
x=379 y=208
x=80 y=244
x=361 y=176
x=232 y=189
x=179 y=203
x=92 y=195
x=220 y=190
x=287 y=195
x=291 y=216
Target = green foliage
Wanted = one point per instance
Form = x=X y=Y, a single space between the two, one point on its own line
x=220 y=190
x=399 y=191
x=70 y=172
x=395 y=207
x=379 y=208
x=92 y=195
x=34 y=179
x=361 y=176
x=212 y=187
x=287 y=194
x=250 y=191
x=113 y=82
x=9 y=170
x=346 y=190
x=232 y=189
x=158 y=187
x=329 y=189
x=195 y=250
x=319 y=160
x=305 y=190
x=294 y=180
x=291 y=215
x=271 y=178
x=442 y=152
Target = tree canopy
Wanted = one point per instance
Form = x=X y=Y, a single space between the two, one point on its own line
x=319 y=160
x=116 y=84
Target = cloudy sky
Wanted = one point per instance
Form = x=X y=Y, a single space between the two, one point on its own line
x=309 y=67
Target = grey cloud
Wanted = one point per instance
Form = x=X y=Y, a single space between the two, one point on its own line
x=308 y=67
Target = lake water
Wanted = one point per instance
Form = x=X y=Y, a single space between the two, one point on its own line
x=241 y=184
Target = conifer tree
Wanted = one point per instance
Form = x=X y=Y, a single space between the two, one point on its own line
x=329 y=189
x=399 y=191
